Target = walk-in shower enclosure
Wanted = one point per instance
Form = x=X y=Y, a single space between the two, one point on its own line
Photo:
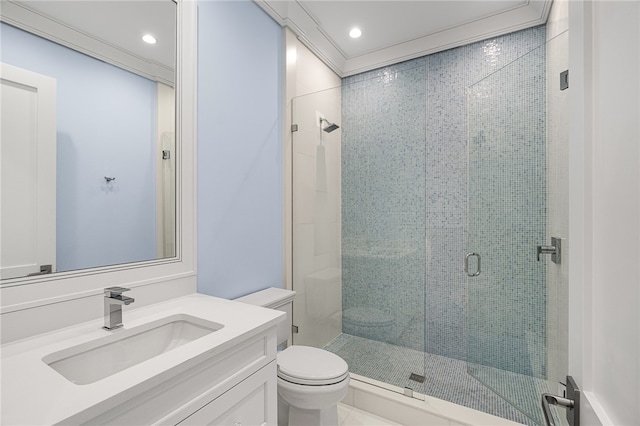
x=436 y=160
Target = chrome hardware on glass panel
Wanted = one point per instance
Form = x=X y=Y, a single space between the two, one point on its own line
x=554 y=250
x=571 y=403
x=113 y=301
x=466 y=265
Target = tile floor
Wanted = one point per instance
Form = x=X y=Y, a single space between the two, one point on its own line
x=445 y=378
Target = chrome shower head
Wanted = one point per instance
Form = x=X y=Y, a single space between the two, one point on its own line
x=330 y=126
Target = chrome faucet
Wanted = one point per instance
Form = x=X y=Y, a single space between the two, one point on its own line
x=113 y=301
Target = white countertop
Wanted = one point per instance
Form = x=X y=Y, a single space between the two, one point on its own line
x=33 y=393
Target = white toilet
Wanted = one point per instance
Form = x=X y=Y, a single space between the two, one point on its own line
x=311 y=381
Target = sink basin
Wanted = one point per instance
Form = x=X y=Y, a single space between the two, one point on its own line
x=100 y=358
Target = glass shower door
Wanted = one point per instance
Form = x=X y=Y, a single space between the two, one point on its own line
x=359 y=227
x=507 y=329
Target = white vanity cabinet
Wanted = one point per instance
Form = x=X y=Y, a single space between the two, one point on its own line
x=251 y=402
x=235 y=387
x=226 y=377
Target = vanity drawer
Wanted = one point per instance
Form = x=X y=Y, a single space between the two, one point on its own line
x=252 y=402
x=175 y=399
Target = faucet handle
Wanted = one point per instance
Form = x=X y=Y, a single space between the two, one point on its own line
x=114 y=291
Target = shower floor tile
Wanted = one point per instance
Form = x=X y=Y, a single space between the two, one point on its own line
x=453 y=380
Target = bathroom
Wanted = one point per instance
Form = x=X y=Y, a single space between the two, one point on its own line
x=236 y=205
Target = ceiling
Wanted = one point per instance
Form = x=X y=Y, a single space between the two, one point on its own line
x=109 y=30
x=130 y=19
x=398 y=30
x=392 y=30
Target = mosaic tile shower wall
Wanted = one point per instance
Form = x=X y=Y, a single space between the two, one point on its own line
x=383 y=199
x=405 y=198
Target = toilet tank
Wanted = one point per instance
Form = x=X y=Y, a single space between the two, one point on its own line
x=275 y=298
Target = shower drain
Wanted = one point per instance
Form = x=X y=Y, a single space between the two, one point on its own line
x=416 y=378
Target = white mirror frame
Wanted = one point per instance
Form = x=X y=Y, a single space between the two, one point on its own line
x=26 y=293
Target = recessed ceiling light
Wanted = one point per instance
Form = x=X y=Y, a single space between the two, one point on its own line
x=355 y=33
x=148 y=38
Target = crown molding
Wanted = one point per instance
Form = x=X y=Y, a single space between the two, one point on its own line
x=296 y=17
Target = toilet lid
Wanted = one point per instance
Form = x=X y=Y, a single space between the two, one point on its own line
x=311 y=366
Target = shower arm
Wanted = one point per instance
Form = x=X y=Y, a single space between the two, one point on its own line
x=330 y=126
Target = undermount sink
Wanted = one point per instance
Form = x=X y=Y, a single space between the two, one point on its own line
x=100 y=358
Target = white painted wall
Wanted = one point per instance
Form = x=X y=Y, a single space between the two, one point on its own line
x=616 y=231
x=604 y=350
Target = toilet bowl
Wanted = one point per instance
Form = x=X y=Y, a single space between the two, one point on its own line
x=311 y=381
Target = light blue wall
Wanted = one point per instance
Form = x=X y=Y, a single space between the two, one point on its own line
x=240 y=214
x=106 y=125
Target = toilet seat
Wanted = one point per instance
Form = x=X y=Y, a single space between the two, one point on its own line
x=305 y=365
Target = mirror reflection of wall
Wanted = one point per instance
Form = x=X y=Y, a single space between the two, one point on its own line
x=114 y=190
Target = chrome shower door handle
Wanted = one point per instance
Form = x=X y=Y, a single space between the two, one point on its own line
x=571 y=402
x=548 y=400
x=466 y=265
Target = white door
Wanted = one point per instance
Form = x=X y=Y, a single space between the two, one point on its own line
x=28 y=172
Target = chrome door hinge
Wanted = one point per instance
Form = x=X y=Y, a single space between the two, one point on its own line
x=44 y=270
x=564 y=80
x=294 y=128
x=294 y=329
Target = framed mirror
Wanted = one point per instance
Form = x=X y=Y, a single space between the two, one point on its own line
x=88 y=121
